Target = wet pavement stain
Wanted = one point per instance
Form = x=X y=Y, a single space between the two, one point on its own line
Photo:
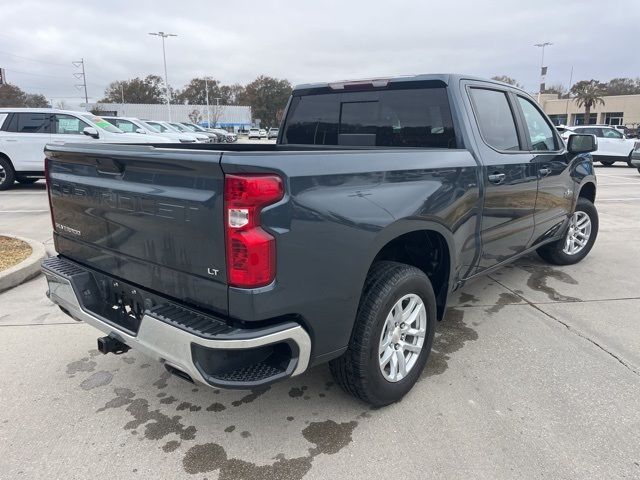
x=230 y=428
x=188 y=406
x=169 y=400
x=255 y=393
x=504 y=299
x=129 y=360
x=83 y=365
x=170 y=446
x=329 y=438
x=451 y=335
x=295 y=392
x=216 y=407
x=467 y=298
x=98 y=379
x=157 y=425
x=245 y=434
x=539 y=274
x=162 y=381
x=145 y=365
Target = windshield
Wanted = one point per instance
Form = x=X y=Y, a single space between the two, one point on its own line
x=399 y=117
x=102 y=123
x=189 y=127
x=152 y=126
x=179 y=127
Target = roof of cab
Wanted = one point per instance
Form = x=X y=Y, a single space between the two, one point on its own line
x=446 y=78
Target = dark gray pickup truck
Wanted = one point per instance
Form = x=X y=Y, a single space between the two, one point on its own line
x=240 y=265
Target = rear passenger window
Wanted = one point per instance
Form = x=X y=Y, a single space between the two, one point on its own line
x=495 y=119
x=28 y=123
x=540 y=132
x=401 y=117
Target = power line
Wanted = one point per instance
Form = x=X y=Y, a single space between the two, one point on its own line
x=33 y=59
x=35 y=74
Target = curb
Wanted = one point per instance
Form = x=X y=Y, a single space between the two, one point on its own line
x=25 y=270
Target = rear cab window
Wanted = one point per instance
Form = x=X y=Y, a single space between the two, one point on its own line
x=402 y=116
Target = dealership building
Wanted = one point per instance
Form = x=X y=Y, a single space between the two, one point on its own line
x=617 y=110
x=229 y=117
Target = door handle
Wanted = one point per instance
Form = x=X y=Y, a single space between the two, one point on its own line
x=544 y=171
x=497 y=177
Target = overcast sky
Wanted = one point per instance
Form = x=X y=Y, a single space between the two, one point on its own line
x=309 y=41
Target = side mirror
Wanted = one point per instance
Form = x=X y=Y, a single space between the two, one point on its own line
x=91 y=132
x=140 y=130
x=582 y=143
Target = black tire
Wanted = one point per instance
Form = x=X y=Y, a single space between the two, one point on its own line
x=607 y=163
x=638 y=169
x=7 y=174
x=629 y=164
x=358 y=371
x=26 y=181
x=553 y=252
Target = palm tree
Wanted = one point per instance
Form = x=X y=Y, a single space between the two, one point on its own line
x=588 y=94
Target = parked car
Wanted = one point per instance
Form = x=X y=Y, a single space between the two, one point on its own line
x=340 y=244
x=635 y=156
x=263 y=133
x=164 y=127
x=254 y=133
x=193 y=128
x=229 y=137
x=613 y=146
x=25 y=131
x=273 y=133
x=135 y=125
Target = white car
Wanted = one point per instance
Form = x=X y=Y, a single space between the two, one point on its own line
x=205 y=137
x=613 y=146
x=166 y=127
x=263 y=133
x=135 y=125
x=24 y=132
x=254 y=133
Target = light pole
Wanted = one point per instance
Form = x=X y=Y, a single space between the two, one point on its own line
x=543 y=70
x=206 y=88
x=164 y=58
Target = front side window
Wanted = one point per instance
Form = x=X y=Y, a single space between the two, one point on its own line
x=402 y=117
x=102 y=124
x=495 y=119
x=611 y=133
x=68 y=125
x=126 y=126
x=590 y=131
x=540 y=132
x=29 y=123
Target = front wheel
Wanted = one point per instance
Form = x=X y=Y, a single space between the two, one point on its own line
x=579 y=239
x=392 y=335
x=7 y=175
x=607 y=163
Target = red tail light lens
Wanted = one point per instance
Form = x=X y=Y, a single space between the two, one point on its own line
x=251 y=251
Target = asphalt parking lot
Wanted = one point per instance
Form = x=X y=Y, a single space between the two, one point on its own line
x=535 y=374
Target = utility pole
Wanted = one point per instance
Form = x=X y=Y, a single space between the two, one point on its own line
x=206 y=88
x=82 y=75
x=122 y=97
x=566 y=111
x=543 y=69
x=164 y=58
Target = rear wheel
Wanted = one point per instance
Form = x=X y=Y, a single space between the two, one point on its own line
x=7 y=175
x=579 y=239
x=629 y=160
x=392 y=336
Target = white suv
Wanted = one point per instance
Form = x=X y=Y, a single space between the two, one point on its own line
x=613 y=146
x=24 y=132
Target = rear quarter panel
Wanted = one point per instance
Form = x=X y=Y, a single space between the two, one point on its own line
x=330 y=226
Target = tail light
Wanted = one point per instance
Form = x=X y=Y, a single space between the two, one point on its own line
x=251 y=251
x=47 y=178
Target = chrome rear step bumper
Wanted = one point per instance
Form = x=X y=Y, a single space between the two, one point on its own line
x=184 y=340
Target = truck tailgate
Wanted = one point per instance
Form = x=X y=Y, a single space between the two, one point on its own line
x=152 y=216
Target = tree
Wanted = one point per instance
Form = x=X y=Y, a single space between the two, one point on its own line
x=97 y=110
x=558 y=89
x=588 y=94
x=623 y=86
x=195 y=92
x=195 y=116
x=13 y=96
x=266 y=96
x=507 y=79
x=36 y=100
x=137 y=90
x=231 y=93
